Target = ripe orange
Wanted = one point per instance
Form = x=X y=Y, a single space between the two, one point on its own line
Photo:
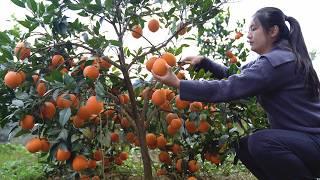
x=196 y=106
x=123 y=155
x=238 y=35
x=109 y=113
x=92 y=164
x=215 y=159
x=83 y=113
x=169 y=94
x=64 y=101
x=176 y=123
x=95 y=178
x=160 y=67
x=12 y=79
x=34 y=145
x=74 y=100
x=77 y=121
x=153 y=25
x=166 y=106
x=204 y=126
x=151 y=140
x=103 y=62
x=22 y=50
x=47 y=110
x=35 y=78
x=114 y=137
x=193 y=166
x=179 y=165
x=62 y=155
x=91 y=72
x=171 y=130
x=169 y=58
x=41 y=89
x=192 y=178
x=158 y=97
x=130 y=137
x=27 y=122
x=229 y=54
x=136 y=31
x=180 y=104
x=118 y=161
x=23 y=76
x=93 y=105
x=57 y=60
x=191 y=126
x=45 y=145
x=150 y=62
x=124 y=98
x=97 y=155
x=164 y=157
x=80 y=163
x=233 y=60
x=161 y=142
x=176 y=149
x=171 y=116
x=125 y=123
x=181 y=75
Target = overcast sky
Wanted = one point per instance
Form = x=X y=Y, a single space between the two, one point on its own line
x=303 y=11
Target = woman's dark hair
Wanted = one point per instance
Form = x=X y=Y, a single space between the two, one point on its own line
x=271 y=16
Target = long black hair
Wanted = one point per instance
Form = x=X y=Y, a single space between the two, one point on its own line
x=271 y=16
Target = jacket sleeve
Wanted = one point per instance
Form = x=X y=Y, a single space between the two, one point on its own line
x=218 y=70
x=251 y=81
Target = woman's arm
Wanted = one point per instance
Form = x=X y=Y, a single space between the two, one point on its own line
x=218 y=70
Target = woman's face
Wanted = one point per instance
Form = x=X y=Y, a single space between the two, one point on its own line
x=259 y=40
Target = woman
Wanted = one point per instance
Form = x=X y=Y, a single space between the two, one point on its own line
x=287 y=87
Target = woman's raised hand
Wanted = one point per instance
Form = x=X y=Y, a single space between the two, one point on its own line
x=192 y=60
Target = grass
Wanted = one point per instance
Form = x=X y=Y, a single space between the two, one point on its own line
x=16 y=163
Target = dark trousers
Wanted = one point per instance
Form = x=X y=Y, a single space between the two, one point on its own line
x=275 y=154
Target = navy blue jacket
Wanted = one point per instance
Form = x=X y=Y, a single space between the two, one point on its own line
x=273 y=79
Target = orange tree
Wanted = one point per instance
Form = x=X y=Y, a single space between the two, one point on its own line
x=81 y=86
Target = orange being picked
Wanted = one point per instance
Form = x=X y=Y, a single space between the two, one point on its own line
x=160 y=67
x=170 y=58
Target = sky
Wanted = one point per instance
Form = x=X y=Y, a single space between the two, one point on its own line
x=303 y=11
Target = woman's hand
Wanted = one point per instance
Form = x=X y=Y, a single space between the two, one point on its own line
x=192 y=60
x=169 y=79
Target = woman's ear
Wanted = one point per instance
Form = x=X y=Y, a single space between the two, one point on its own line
x=274 y=31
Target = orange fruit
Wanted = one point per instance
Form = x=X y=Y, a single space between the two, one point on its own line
x=233 y=60
x=136 y=31
x=164 y=157
x=192 y=178
x=97 y=155
x=176 y=123
x=34 y=145
x=176 y=149
x=57 y=60
x=151 y=140
x=41 y=89
x=171 y=130
x=27 y=122
x=35 y=78
x=92 y=164
x=130 y=137
x=93 y=105
x=91 y=72
x=123 y=156
x=77 y=121
x=124 y=98
x=80 y=163
x=180 y=104
x=45 y=145
x=109 y=113
x=118 y=161
x=22 y=50
x=161 y=142
x=103 y=62
x=196 y=106
x=169 y=58
x=193 y=166
x=153 y=25
x=166 y=106
x=215 y=159
x=62 y=155
x=179 y=165
x=74 y=100
x=150 y=63
x=114 y=137
x=191 y=126
x=12 y=79
x=160 y=67
x=204 y=126
x=23 y=76
x=238 y=35
x=95 y=178
x=47 y=110
x=158 y=97
x=83 y=113
x=169 y=94
x=171 y=116
x=125 y=123
x=181 y=75
x=229 y=54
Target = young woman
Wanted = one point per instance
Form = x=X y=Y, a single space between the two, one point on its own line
x=287 y=87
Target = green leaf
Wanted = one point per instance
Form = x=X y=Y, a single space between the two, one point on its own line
x=54 y=76
x=25 y=23
x=64 y=116
x=21 y=132
x=5 y=39
x=100 y=90
x=74 y=6
x=114 y=42
x=32 y=5
x=18 y=3
x=63 y=135
x=41 y=9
